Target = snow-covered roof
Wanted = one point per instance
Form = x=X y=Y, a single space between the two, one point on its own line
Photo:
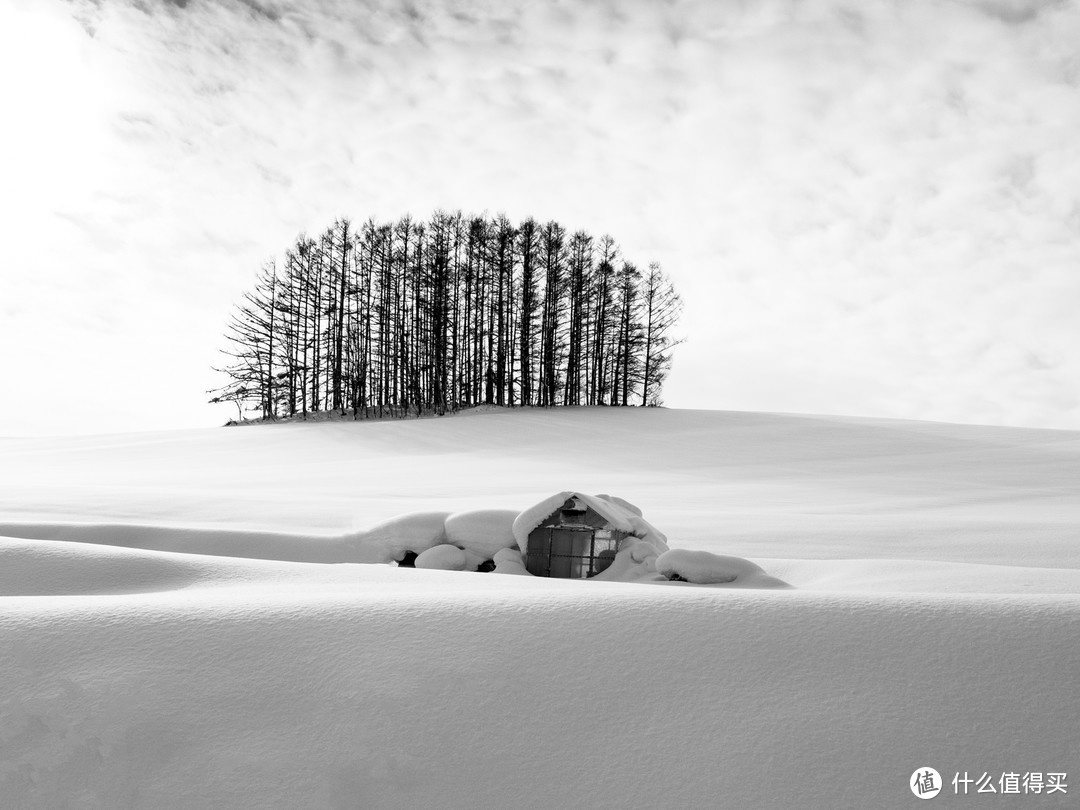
x=620 y=514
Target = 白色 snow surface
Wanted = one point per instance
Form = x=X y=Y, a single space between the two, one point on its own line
x=931 y=621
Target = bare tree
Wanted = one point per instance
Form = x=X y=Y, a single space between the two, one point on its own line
x=427 y=317
x=662 y=307
x=628 y=306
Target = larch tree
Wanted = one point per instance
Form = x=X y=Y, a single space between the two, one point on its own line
x=661 y=308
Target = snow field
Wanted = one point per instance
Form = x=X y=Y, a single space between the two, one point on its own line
x=742 y=484
x=171 y=635
x=420 y=690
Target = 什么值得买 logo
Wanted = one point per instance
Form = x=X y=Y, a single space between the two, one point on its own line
x=925 y=782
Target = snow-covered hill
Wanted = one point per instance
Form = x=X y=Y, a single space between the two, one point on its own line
x=932 y=622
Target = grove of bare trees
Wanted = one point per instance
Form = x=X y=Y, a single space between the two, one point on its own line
x=429 y=317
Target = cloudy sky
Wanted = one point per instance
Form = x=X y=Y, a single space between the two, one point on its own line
x=871 y=207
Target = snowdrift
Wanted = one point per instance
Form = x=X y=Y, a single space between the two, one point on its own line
x=477 y=540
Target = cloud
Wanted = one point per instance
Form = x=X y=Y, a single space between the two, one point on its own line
x=1015 y=12
x=870 y=206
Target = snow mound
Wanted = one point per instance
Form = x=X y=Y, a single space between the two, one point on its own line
x=706 y=568
x=393 y=538
x=44 y=568
x=510 y=561
x=475 y=537
x=635 y=562
x=444 y=557
x=482 y=531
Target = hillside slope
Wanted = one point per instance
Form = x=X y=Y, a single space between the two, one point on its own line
x=756 y=485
